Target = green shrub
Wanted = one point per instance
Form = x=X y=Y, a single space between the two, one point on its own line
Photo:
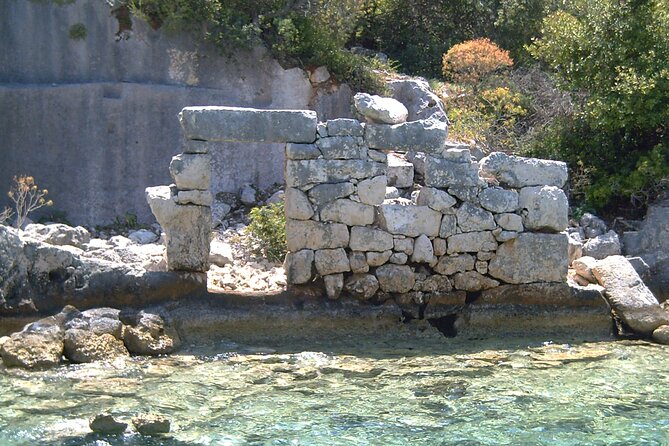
x=78 y=31
x=267 y=231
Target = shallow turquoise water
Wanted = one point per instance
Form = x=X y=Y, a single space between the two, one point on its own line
x=381 y=390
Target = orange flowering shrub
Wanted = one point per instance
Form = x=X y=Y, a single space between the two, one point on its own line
x=472 y=61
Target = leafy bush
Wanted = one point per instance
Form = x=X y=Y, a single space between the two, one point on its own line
x=267 y=231
x=614 y=54
x=78 y=31
x=27 y=197
x=474 y=61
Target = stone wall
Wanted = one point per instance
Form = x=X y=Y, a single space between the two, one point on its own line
x=93 y=119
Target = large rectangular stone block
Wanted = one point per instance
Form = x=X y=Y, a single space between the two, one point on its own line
x=516 y=171
x=440 y=172
x=308 y=234
x=304 y=172
x=411 y=221
x=248 y=124
x=424 y=136
x=532 y=258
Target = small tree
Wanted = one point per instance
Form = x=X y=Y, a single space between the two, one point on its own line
x=5 y=215
x=27 y=197
x=473 y=61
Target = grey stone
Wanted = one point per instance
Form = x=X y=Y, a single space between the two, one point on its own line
x=418 y=161
x=425 y=136
x=442 y=173
x=345 y=127
x=370 y=239
x=532 y=258
x=439 y=246
x=219 y=210
x=362 y=286
x=516 y=171
x=378 y=109
x=247 y=195
x=341 y=147
x=661 y=334
x=303 y=173
x=422 y=250
x=319 y=75
x=504 y=236
x=575 y=247
x=277 y=197
x=472 y=218
x=373 y=190
x=592 y=225
x=436 y=284
x=186 y=230
x=105 y=423
x=583 y=267
x=220 y=253
x=510 y=222
x=457 y=155
x=358 y=262
x=83 y=346
x=546 y=207
x=485 y=255
x=602 y=246
x=299 y=266
x=297 y=205
x=191 y=171
x=151 y=424
x=466 y=193
x=471 y=242
x=404 y=245
x=395 y=278
x=248 y=124
x=296 y=151
x=378 y=258
x=334 y=284
x=143 y=236
x=58 y=234
x=197 y=197
x=322 y=129
x=377 y=156
x=481 y=267
x=419 y=99
x=197 y=146
x=400 y=171
x=349 y=212
x=150 y=335
x=307 y=234
x=331 y=261
x=411 y=221
x=499 y=200
x=449 y=265
x=325 y=193
x=33 y=349
x=449 y=226
x=473 y=281
x=435 y=199
x=399 y=258
x=629 y=298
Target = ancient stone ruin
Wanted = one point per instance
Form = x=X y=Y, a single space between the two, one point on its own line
x=472 y=226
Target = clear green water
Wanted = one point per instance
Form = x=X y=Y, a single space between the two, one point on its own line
x=383 y=390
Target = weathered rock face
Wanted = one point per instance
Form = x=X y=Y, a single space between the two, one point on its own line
x=420 y=101
x=629 y=298
x=546 y=207
x=515 y=171
x=149 y=335
x=191 y=171
x=362 y=286
x=309 y=234
x=381 y=110
x=531 y=258
x=32 y=350
x=58 y=234
x=411 y=221
x=151 y=424
x=105 y=423
x=395 y=278
x=86 y=346
x=440 y=172
x=370 y=239
x=299 y=266
x=427 y=136
x=602 y=246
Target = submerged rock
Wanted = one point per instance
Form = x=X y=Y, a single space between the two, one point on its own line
x=149 y=335
x=105 y=423
x=151 y=424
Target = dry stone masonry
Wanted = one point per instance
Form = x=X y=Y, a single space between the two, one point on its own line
x=470 y=227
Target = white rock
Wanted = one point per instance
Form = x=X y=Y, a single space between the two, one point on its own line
x=297 y=205
x=143 y=236
x=373 y=190
x=532 y=258
x=348 y=212
x=331 y=261
x=473 y=218
x=436 y=199
x=381 y=110
x=400 y=171
x=334 y=284
x=220 y=253
x=378 y=258
x=422 y=250
x=516 y=171
x=602 y=246
x=191 y=171
x=411 y=221
x=546 y=208
x=247 y=195
x=370 y=239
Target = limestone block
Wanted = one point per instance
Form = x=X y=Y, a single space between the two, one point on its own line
x=378 y=258
x=322 y=129
x=449 y=226
x=469 y=194
x=344 y=170
x=436 y=199
x=411 y=221
x=304 y=172
x=358 y=262
x=400 y=171
x=575 y=247
x=299 y=266
x=196 y=146
x=341 y=147
x=296 y=151
x=186 y=230
x=349 y=212
x=472 y=218
x=516 y=171
x=215 y=123
x=395 y=278
x=404 y=245
x=629 y=298
x=499 y=200
x=532 y=258
x=481 y=267
x=602 y=246
x=370 y=239
x=436 y=284
x=422 y=250
x=442 y=173
x=378 y=109
x=319 y=75
x=510 y=222
x=331 y=261
x=449 y=265
x=377 y=156
x=325 y=193
x=297 y=205
x=198 y=197
x=439 y=246
x=399 y=258
x=504 y=236
x=191 y=171
x=471 y=242
x=425 y=136
x=345 y=127
x=457 y=155
x=307 y=234
x=373 y=190
x=220 y=253
x=473 y=281
x=419 y=99
x=362 y=286
x=334 y=284
x=546 y=208
x=485 y=255
x=583 y=267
